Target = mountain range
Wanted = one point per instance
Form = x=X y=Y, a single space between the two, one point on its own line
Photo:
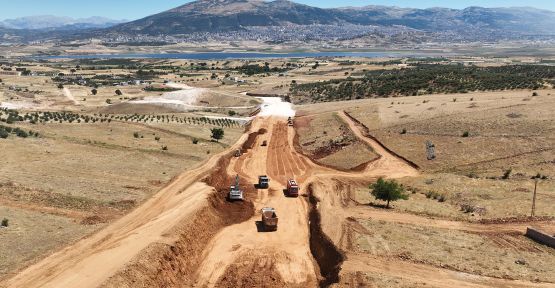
x=56 y=22
x=263 y=18
x=232 y=15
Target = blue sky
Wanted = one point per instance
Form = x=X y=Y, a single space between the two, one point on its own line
x=134 y=9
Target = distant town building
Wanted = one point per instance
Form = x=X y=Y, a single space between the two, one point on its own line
x=10 y=73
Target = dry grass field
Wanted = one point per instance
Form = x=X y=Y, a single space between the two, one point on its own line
x=74 y=178
x=493 y=255
x=505 y=130
x=463 y=223
x=445 y=195
x=326 y=139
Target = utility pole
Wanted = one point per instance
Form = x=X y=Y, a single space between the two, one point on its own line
x=534 y=197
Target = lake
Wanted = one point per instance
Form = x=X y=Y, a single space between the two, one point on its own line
x=237 y=55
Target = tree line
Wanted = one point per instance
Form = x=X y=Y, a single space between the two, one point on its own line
x=425 y=79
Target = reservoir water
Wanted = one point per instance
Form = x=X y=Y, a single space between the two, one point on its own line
x=237 y=55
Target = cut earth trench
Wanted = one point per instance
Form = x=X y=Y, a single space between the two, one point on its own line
x=175 y=264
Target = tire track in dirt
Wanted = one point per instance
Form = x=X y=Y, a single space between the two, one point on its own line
x=284 y=254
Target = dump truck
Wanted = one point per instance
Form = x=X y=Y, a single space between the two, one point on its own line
x=269 y=219
x=292 y=188
x=235 y=192
x=263 y=182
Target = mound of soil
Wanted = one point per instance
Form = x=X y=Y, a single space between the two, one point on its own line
x=162 y=265
x=258 y=272
x=251 y=140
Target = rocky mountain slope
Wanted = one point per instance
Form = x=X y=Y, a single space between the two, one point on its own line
x=232 y=15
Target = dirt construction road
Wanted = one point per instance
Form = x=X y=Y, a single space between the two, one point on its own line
x=155 y=244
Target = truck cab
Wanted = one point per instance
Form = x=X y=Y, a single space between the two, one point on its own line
x=263 y=182
x=292 y=188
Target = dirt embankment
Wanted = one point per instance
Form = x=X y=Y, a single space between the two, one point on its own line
x=325 y=152
x=366 y=132
x=251 y=140
x=174 y=265
x=261 y=272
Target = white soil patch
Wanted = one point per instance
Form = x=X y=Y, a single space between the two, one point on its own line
x=14 y=106
x=274 y=106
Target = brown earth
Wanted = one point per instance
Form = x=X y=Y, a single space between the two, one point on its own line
x=188 y=235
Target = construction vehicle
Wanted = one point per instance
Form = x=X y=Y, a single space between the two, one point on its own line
x=292 y=188
x=269 y=219
x=263 y=182
x=235 y=192
x=264 y=143
x=238 y=153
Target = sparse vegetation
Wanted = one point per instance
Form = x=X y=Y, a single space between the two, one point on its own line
x=507 y=174
x=388 y=190
x=426 y=79
x=217 y=134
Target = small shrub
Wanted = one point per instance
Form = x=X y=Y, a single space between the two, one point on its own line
x=136 y=134
x=195 y=141
x=4 y=222
x=3 y=134
x=454 y=99
x=468 y=207
x=535 y=94
x=473 y=175
x=157 y=138
x=108 y=101
x=514 y=115
x=231 y=113
x=507 y=174
x=404 y=131
x=466 y=134
x=164 y=148
x=442 y=198
x=21 y=133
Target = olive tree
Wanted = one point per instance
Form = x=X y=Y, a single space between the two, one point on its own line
x=388 y=190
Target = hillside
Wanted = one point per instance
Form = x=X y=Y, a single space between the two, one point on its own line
x=234 y=15
x=285 y=21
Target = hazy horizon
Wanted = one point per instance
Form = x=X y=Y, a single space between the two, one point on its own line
x=136 y=9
